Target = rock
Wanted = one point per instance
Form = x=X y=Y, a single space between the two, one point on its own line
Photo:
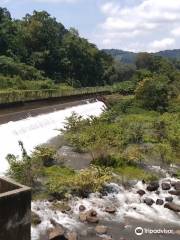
x=101 y=229
x=72 y=235
x=149 y=201
x=91 y=216
x=175 y=192
x=177 y=232
x=159 y=202
x=92 y=213
x=82 y=208
x=172 y=206
x=82 y=217
x=141 y=192
x=91 y=219
x=173 y=183
x=35 y=218
x=57 y=233
x=169 y=199
x=153 y=186
x=110 y=210
x=165 y=186
x=143 y=181
x=177 y=185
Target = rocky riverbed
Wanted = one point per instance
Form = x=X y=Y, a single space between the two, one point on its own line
x=114 y=213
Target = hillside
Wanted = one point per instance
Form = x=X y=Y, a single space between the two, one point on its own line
x=129 y=57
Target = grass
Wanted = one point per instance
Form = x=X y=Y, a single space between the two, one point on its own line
x=135 y=173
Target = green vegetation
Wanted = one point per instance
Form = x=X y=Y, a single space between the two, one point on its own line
x=40 y=59
x=38 y=48
x=82 y=183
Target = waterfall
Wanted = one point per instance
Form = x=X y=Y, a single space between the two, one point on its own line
x=34 y=131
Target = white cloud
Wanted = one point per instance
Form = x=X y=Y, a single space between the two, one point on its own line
x=162 y=44
x=176 y=32
x=148 y=22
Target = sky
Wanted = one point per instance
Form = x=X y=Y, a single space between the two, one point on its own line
x=133 y=25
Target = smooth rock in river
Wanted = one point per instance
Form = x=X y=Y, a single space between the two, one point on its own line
x=35 y=218
x=172 y=206
x=165 y=186
x=82 y=208
x=159 y=202
x=153 y=186
x=57 y=233
x=169 y=199
x=91 y=216
x=110 y=210
x=72 y=235
x=141 y=192
x=175 y=192
x=101 y=229
x=177 y=185
x=149 y=201
x=82 y=217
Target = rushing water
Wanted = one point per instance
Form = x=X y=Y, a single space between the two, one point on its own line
x=127 y=202
x=33 y=131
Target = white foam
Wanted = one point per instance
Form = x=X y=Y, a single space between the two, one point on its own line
x=127 y=202
x=38 y=130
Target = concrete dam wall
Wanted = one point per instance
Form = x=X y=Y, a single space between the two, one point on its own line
x=15 y=211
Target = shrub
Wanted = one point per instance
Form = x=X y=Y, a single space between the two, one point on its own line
x=82 y=183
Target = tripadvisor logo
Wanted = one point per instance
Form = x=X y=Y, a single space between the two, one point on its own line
x=139 y=231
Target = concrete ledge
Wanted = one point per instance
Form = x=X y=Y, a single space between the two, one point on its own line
x=15 y=211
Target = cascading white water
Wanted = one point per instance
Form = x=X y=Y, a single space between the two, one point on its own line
x=127 y=202
x=38 y=130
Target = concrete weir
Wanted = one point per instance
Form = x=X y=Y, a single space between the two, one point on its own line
x=15 y=211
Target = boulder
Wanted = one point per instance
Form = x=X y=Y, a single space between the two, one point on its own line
x=169 y=199
x=72 y=235
x=110 y=210
x=149 y=201
x=57 y=234
x=159 y=202
x=165 y=186
x=172 y=206
x=173 y=183
x=91 y=216
x=177 y=185
x=101 y=229
x=82 y=208
x=141 y=192
x=175 y=192
x=35 y=218
x=153 y=186
x=82 y=217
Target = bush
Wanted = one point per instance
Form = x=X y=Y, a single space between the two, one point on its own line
x=27 y=169
x=82 y=183
x=153 y=92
